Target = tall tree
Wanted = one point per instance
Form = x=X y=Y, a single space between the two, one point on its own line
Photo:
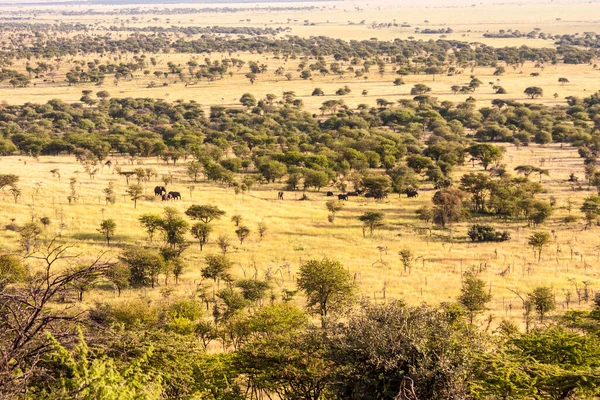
x=327 y=285
x=107 y=229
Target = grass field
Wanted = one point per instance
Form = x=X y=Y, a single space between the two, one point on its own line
x=227 y=91
x=299 y=230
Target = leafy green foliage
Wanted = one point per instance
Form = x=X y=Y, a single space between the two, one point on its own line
x=327 y=285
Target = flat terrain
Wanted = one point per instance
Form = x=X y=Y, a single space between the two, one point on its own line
x=299 y=230
x=583 y=80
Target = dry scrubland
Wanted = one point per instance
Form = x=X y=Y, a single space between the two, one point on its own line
x=538 y=336
x=332 y=19
x=299 y=230
x=227 y=91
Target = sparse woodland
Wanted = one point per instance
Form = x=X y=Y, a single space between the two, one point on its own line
x=406 y=248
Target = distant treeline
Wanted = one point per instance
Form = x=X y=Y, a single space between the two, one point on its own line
x=396 y=51
x=161 y=11
x=266 y=131
x=187 y=30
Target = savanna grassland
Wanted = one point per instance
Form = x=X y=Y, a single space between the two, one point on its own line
x=299 y=230
x=391 y=201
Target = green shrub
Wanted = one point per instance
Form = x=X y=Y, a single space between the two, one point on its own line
x=486 y=233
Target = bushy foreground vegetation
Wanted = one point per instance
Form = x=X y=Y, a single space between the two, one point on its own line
x=128 y=323
x=237 y=343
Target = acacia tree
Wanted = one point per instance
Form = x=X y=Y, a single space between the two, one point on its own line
x=486 y=154
x=327 y=285
x=542 y=300
x=419 y=89
x=473 y=294
x=151 y=223
x=242 y=233
x=478 y=185
x=204 y=213
x=135 y=192
x=144 y=266
x=8 y=180
x=333 y=206
x=537 y=241
x=107 y=229
x=534 y=91
x=591 y=209
x=201 y=231
x=217 y=267
x=194 y=168
x=371 y=220
x=174 y=228
x=261 y=228
x=119 y=275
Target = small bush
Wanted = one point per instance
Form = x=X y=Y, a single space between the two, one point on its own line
x=134 y=313
x=485 y=233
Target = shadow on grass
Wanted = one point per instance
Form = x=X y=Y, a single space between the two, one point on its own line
x=118 y=241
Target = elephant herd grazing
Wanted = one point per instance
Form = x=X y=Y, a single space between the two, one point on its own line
x=410 y=193
x=166 y=196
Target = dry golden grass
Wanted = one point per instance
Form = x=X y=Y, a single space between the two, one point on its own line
x=227 y=92
x=298 y=230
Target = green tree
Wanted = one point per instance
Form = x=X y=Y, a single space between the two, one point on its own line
x=248 y=100
x=151 y=223
x=242 y=233
x=537 y=241
x=390 y=349
x=194 y=168
x=201 y=231
x=174 y=228
x=327 y=285
x=8 y=180
x=217 y=267
x=109 y=193
x=12 y=270
x=473 y=294
x=107 y=229
x=29 y=236
x=144 y=266
x=135 y=192
x=204 y=213
x=542 y=300
x=333 y=206
x=371 y=220
x=478 y=185
x=534 y=91
x=486 y=154
x=591 y=209
x=377 y=186
x=78 y=374
x=420 y=89
x=261 y=228
x=236 y=219
x=119 y=275
x=433 y=71
x=272 y=170
x=316 y=179
x=448 y=206
x=407 y=258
